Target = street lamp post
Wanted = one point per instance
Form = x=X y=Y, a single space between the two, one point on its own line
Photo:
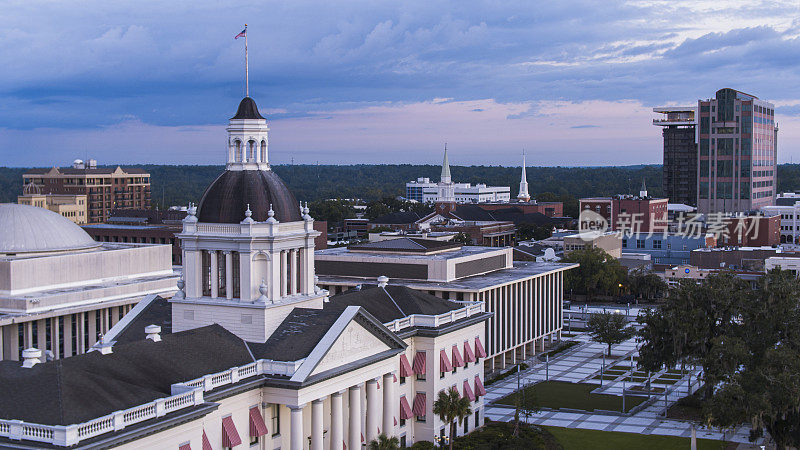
x=603 y=370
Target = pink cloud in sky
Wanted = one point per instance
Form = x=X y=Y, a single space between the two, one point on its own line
x=477 y=132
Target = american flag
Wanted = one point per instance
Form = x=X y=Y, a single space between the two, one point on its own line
x=242 y=34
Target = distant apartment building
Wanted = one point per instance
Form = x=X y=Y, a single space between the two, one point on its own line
x=73 y=207
x=787 y=206
x=105 y=188
x=679 y=129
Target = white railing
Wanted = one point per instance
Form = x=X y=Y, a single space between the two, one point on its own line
x=218 y=228
x=421 y=320
x=69 y=435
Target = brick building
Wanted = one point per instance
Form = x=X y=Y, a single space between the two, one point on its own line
x=106 y=188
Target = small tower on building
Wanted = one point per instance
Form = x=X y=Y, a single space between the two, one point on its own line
x=643 y=192
x=523 y=184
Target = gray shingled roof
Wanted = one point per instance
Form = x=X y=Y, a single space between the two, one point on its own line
x=392 y=302
x=83 y=387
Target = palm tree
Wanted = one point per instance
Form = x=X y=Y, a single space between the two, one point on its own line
x=452 y=408
x=385 y=443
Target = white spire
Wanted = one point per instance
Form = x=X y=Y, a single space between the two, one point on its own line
x=445 y=178
x=523 y=183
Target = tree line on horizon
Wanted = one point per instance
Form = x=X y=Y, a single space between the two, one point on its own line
x=181 y=184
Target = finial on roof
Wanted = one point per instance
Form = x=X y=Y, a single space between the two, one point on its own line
x=263 y=290
x=248 y=215
x=305 y=210
x=190 y=214
x=271 y=215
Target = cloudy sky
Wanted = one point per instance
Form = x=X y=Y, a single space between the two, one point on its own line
x=571 y=82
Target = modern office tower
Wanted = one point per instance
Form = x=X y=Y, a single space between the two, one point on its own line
x=679 y=128
x=106 y=188
x=737 y=139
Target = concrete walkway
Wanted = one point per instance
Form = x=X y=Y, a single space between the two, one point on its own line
x=581 y=364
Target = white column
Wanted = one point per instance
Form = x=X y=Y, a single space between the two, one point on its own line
x=245 y=283
x=296 y=433
x=373 y=411
x=214 y=275
x=389 y=409
x=228 y=275
x=354 y=435
x=293 y=278
x=316 y=425
x=337 y=417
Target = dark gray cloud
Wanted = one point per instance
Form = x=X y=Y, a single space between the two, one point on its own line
x=95 y=63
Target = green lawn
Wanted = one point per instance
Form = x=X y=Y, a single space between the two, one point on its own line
x=577 y=439
x=561 y=394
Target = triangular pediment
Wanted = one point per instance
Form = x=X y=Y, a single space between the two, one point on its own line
x=353 y=344
x=356 y=337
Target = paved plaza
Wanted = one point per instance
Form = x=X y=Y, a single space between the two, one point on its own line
x=583 y=363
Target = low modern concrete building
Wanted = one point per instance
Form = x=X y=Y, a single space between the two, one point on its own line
x=525 y=297
x=60 y=290
x=610 y=242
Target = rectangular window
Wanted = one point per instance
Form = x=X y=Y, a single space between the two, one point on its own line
x=640 y=243
x=704 y=125
x=703 y=189
x=704 y=147
x=657 y=244
x=276 y=420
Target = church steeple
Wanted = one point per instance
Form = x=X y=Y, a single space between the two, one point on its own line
x=523 y=183
x=445 y=178
x=643 y=192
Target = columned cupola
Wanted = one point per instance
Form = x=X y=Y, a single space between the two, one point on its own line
x=248 y=248
x=248 y=139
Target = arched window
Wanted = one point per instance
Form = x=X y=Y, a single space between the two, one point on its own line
x=237 y=151
x=263 y=151
x=251 y=150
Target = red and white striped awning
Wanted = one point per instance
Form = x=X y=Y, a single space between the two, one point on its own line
x=206 y=443
x=186 y=446
x=479 y=351
x=405 y=409
x=444 y=362
x=405 y=367
x=458 y=361
x=419 y=363
x=419 y=405
x=468 y=391
x=230 y=437
x=257 y=425
x=468 y=355
x=479 y=389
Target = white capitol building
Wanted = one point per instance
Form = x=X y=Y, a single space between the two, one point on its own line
x=249 y=352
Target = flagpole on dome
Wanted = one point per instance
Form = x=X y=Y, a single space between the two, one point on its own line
x=246 y=66
x=246 y=62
